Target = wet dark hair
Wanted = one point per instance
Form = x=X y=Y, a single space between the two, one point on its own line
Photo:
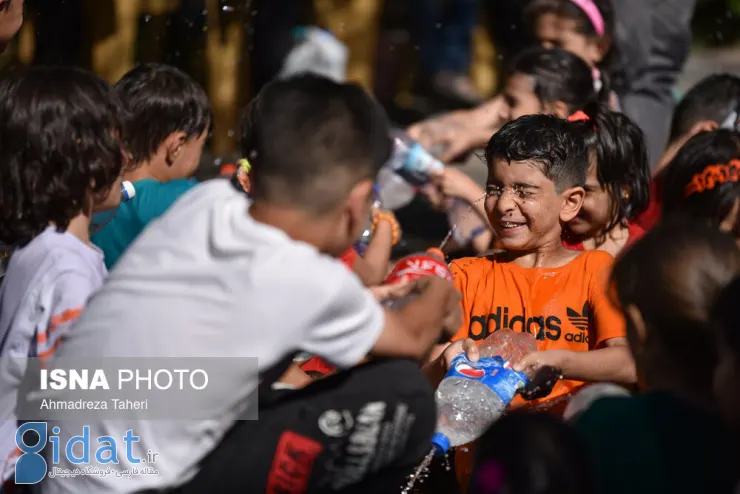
x=713 y=98
x=310 y=140
x=711 y=206
x=529 y=452
x=553 y=143
x=621 y=158
x=584 y=26
x=673 y=276
x=162 y=100
x=558 y=76
x=60 y=140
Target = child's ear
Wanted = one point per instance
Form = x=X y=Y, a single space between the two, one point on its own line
x=559 y=109
x=173 y=146
x=599 y=48
x=358 y=206
x=572 y=202
x=731 y=222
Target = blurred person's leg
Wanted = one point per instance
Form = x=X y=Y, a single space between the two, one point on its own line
x=444 y=34
x=357 y=24
x=654 y=38
x=225 y=55
x=113 y=25
x=344 y=433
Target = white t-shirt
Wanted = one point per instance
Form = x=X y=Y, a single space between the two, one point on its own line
x=206 y=280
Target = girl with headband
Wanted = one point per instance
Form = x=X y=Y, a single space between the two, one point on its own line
x=703 y=181
x=617 y=182
x=582 y=27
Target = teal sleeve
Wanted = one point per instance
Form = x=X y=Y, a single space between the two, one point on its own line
x=157 y=200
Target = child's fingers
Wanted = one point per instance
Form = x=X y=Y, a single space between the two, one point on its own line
x=470 y=349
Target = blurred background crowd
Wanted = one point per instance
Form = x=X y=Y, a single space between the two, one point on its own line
x=418 y=57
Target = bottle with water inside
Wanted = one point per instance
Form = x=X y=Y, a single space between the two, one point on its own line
x=473 y=395
x=410 y=167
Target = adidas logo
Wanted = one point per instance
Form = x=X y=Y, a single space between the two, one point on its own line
x=580 y=321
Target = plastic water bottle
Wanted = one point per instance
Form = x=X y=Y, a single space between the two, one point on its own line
x=507 y=344
x=471 y=397
x=367 y=234
x=410 y=167
x=317 y=52
x=128 y=191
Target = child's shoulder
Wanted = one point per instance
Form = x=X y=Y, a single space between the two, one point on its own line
x=593 y=260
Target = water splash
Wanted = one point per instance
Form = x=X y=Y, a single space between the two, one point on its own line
x=421 y=472
x=453 y=228
x=448 y=467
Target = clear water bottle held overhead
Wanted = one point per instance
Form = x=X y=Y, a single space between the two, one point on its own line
x=410 y=167
x=473 y=395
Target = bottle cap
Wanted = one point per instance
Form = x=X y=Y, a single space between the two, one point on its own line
x=441 y=444
x=436 y=253
x=127 y=191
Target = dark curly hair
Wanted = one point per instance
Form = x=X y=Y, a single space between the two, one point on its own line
x=60 y=141
x=162 y=100
x=554 y=144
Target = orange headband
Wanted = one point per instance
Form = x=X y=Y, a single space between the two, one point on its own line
x=579 y=116
x=712 y=176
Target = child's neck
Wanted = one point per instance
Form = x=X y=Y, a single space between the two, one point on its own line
x=551 y=255
x=612 y=241
x=298 y=225
x=150 y=169
x=79 y=226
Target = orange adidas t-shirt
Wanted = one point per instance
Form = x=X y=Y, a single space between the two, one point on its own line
x=565 y=308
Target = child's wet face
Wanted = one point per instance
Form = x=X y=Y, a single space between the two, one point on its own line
x=597 y=210
x=523 y=205
x=520 y=98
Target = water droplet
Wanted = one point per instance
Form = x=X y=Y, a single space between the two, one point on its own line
x=227 y=8
x=147 y=18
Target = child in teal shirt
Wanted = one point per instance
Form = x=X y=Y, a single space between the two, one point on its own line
x=170 y=120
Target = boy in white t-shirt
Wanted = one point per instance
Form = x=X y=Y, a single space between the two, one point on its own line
x=218 y=276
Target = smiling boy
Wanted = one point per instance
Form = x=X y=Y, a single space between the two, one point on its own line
x=536 y=172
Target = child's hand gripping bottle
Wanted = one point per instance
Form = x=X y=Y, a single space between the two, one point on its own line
x=473 y=395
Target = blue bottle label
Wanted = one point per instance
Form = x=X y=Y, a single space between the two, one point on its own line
x=418 y=166
x=491 y=371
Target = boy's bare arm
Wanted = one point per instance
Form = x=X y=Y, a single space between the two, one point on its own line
x=613 y=363
x=413 y=330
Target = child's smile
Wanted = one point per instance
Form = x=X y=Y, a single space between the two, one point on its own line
x=522 y=204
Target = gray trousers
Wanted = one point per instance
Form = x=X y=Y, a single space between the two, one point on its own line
x=654 y=39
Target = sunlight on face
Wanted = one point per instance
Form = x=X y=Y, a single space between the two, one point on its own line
x=522 y=204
